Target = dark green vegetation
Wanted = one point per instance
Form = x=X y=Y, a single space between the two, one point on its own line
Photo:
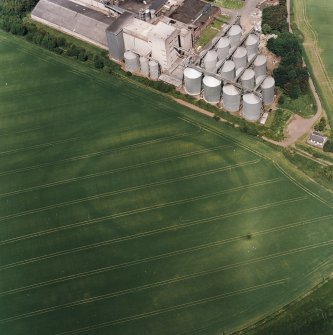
x=280 y=118
x=328 y=146
x=303 y=318
x=274 y=18
x=125 y=213
x=291 y=75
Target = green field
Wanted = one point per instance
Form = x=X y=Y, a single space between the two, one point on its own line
x=312 y=17
x=125 y=213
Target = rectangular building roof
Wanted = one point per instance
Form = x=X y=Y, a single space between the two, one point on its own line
x=138 y=28
x=79 y=20
x=163 y=30
x=120 y=22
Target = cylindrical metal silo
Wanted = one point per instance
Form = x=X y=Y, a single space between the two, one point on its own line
x=131 y=61
x=231 y=98
x=192 y=81
x=144 y=66
x=251 y=107
x=210 y=61
x=247 y=79
x=240 y=58
x=268 y=87
x=154 y=70
x=260 y=65
x=211 y=89
x=152 y=13
x=252 y=44
x=223 y=46
x=235 y=33
x=228 y=70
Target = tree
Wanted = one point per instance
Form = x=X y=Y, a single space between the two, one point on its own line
x=328 y=146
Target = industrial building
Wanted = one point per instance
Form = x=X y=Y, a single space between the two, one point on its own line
x=232 y=74
x=154 y=38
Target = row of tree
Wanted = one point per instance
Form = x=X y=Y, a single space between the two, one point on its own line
x=291 y=75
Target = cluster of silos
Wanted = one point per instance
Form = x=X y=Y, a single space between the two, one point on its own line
x=135 y=64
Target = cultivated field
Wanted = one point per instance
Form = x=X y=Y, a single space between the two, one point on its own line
x=313 y=19
x=123 y=213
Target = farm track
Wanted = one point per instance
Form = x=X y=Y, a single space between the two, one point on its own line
x=99 y=153
x=174 y=308
x=52 y=256
x=112 y=171
x=126 y=190
x=186 y=225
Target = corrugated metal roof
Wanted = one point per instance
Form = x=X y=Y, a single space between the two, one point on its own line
x=74 y=18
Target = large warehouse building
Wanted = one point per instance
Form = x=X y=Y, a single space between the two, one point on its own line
x=148 y=28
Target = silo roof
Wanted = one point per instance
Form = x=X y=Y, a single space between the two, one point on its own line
x=223 y=42
x=211 y=55
x=260 y=60
x=229 y=65
x=251 y=99
x=192 y=73
x=230 y=90
x=252 y=39
x=248 y=74
x=235 y=30
x=240 y=52
x=211 y=81
x=268 y=82
x=259 y=79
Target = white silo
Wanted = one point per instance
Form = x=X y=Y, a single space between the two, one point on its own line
x=252 y=44
x=235 y=33
x=268 y=87
x=240 y=58
x=144 y=66
x=222 y=47
x=260 y=65
x=228 y=70
x=131 y=61
x=231 y=98
x=192 y=81
x=251 y=107
x=154 y=70
x=211 y=89
x=210 y=61
x=247 y=79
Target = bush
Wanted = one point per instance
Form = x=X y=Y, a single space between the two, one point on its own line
x=98 y=62
x=321 y=125
x=328 y=146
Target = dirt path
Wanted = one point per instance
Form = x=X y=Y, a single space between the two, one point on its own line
x=299 y=126
x=193 y=107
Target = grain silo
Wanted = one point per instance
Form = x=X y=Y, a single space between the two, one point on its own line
x=268 y=87
x=228 y=70
x=247 y=79
x=131 y=61
x=211 y=89
x=240 y=58
x=192 y=81
x=231 y=98
x=260 y=65
x=210 y=61
x=222 y=47
x=154 y=70
x=252 y=44
x=251 y=107
x=144 y=66
x=235 y=33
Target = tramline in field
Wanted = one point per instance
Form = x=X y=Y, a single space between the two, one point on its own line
x=125 y=213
